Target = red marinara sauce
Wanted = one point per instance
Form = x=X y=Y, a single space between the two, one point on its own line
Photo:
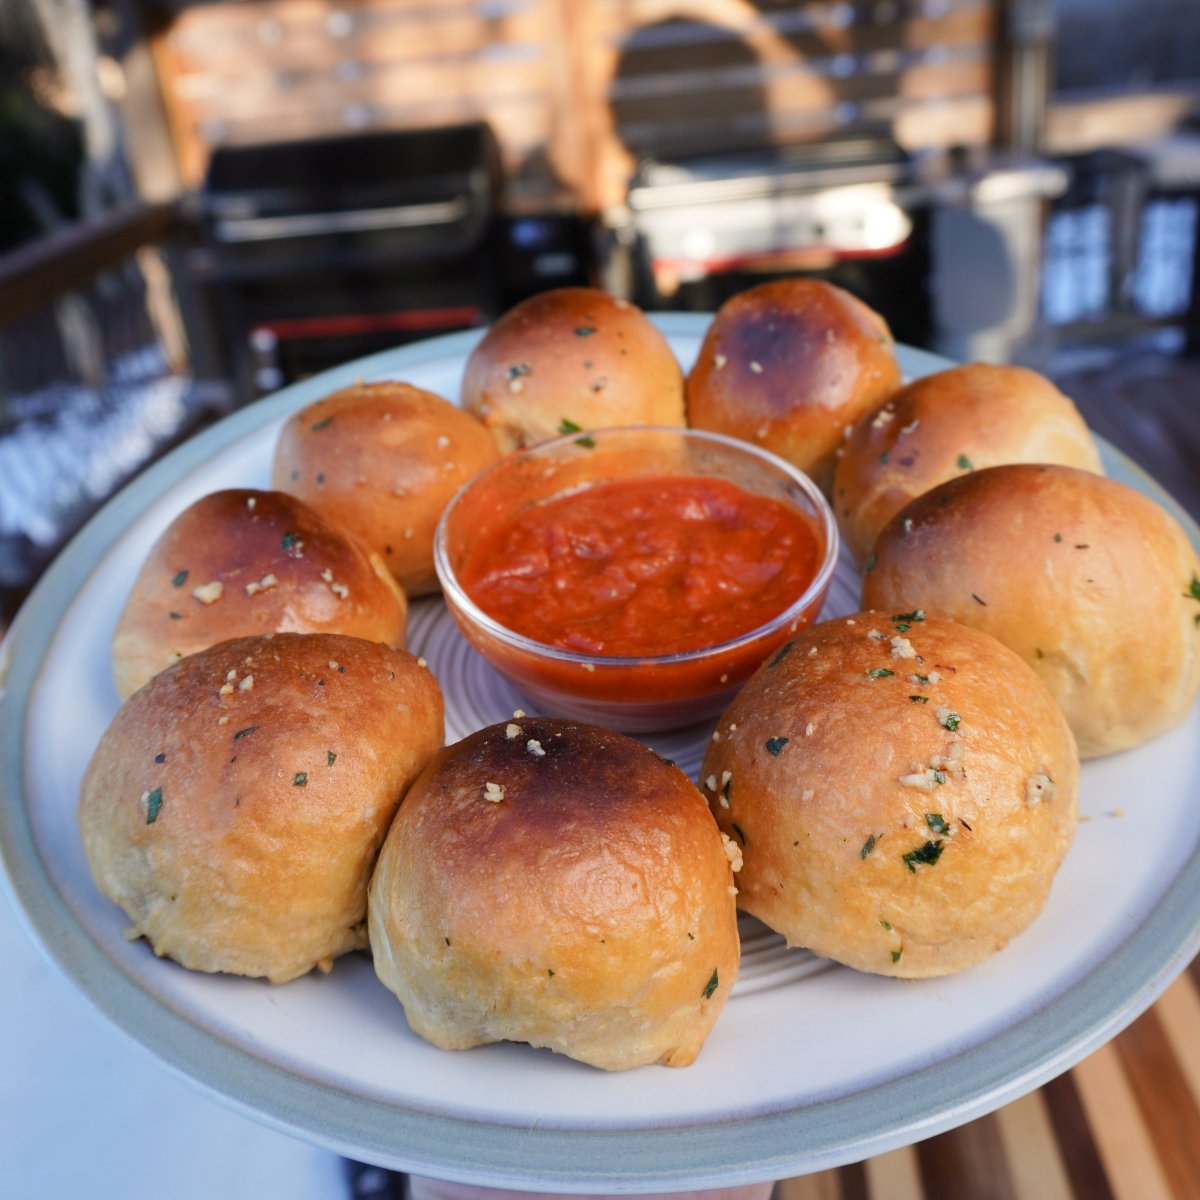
x=644 y=566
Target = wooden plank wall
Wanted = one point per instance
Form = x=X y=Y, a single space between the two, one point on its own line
x=576 y=91
x=270 y=70
x=667 y=78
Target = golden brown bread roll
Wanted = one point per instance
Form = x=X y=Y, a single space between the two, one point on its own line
x=235 y=805
x=571 y=358
x=557 y=884
x=944 y=425
x=903 y=789
x=789 y=365
x=243 y=562
x=1089 y=581
x=382 y=460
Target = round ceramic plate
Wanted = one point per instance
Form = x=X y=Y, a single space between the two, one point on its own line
x=809 y=1066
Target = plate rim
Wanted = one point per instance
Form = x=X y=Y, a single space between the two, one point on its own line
x=627 y=1159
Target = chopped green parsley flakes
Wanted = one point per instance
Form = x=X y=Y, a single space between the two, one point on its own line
x=780 y=655
x=566 y=426
x=926 y=855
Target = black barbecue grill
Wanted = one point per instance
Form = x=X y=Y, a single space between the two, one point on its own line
x=860 y=212
x=327 y=249
x=837 y=196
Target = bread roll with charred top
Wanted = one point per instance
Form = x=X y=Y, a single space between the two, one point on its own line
x=244 y=562
x=903 y=789
x=382 y=460
x=570 y=359
x=944 y=425
x=235 y=806
x=554 y=883
x=789 y=365
x=1094 y=585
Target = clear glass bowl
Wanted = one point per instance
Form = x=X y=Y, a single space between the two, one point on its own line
x=633 y=695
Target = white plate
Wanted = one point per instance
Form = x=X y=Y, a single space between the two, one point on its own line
x=809 y=1066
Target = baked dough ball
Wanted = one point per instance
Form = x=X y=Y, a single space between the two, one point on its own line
x=789 y=365
x=944 y=425
x=382 y=460
x=235 y=805
x=1089 y=581
x=244 y=562
x=903 y=789
x=571 y=358
x=557 y=884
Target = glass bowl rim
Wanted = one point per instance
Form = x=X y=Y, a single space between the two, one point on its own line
x=453 y=591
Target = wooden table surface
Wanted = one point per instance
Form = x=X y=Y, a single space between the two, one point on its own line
x=1122 y=1125
x=1125 y=1123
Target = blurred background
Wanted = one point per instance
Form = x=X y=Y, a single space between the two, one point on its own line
x=201 y=201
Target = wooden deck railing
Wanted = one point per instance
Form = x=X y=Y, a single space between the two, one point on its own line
x=38 y=272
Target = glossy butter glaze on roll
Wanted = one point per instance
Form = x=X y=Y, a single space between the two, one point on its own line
x=903 y=790
x=945 y=425
x=790 y=365
x=235 y=805
x=571 y=359
x=1094 y=585
x=243 y=562
x=558 y=884
x=382 y=460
